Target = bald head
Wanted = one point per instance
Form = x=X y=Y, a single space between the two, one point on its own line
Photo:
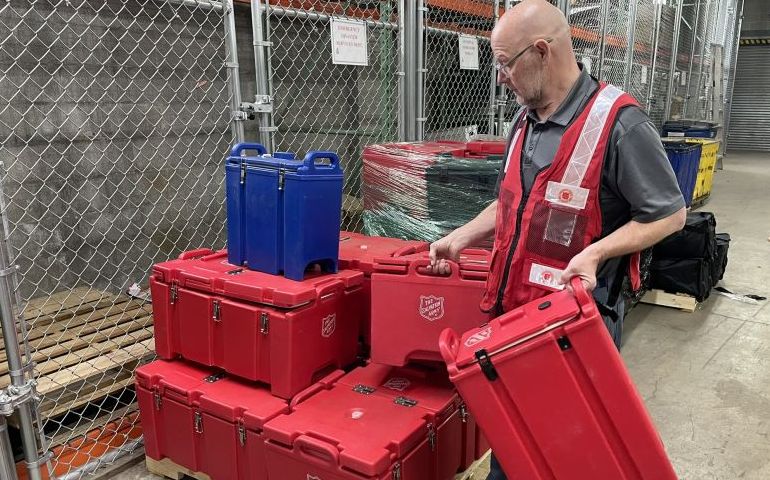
x=530 y=20
x=532 y=42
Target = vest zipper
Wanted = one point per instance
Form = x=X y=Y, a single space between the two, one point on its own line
x=524 y=199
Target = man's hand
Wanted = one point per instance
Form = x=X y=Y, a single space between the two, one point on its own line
x=443 y=249
x=583 y=265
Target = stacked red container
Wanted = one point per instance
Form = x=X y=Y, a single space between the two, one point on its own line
x=255 y=325
x=411 y=306
x=360 y=252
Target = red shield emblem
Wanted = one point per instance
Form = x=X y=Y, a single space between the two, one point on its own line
x=565 y=195
x=431 y=307
x=479 y=337
x=328 y=325
x=397 y=383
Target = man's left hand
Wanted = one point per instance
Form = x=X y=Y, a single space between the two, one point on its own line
x=583 y=265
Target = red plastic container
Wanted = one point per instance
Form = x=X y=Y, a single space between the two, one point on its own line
x=412 y=306
x=356 y=430
x=256 y=325
x=548 y=387
x=359 y=252
x=203 y=421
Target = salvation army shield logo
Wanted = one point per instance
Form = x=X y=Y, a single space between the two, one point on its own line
x=328 y=324
x=479 y=337
x=397 y=383
x=431 y=307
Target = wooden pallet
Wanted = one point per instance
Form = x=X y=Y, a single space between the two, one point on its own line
x=168 y=469
x=478 y=469
x=673 y=300
x=85 y=345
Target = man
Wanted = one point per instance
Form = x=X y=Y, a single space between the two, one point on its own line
x=585 y=184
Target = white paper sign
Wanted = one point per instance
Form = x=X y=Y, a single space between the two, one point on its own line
x=683 y=79
x=349 y=43
x=587 y=63
x=644 y=75
x=469 y=52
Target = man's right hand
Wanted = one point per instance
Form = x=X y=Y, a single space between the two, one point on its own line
x=443 y=249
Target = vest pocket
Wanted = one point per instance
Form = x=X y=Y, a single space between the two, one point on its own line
x=556 y=232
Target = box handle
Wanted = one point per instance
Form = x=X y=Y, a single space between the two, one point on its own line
x=312 y=157
x=238 y=150
x=201 y=252
x=449 y=345
x=420 y=268
x=317 y=449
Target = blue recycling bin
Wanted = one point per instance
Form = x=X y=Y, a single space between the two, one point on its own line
x=684 y=158
x=283 y=214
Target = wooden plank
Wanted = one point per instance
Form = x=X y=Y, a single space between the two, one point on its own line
x=168 y=469
x=100 y=364
x=478 y=469
x=91 y=351
x=85 y=397
x=72 y=344
x=89 y=324
x=674 y=300
x=41 y=326
x=102 y=380
x=58 y=301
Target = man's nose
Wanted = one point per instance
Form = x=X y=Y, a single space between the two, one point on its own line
x=501 y=77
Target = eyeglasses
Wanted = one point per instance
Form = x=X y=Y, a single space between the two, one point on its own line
x=506 y=68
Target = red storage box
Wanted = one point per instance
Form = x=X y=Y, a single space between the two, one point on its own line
x=349 y=431
x=422 y=381
x=255 y=325
x=548 y=387
x=359 y=252
x=203 y=421
x=411 y=306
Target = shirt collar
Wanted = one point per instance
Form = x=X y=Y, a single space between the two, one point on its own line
x=583 y=87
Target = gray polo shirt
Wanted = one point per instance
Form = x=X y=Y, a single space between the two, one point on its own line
x=637 y=181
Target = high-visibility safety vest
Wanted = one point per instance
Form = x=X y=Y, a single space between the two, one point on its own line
x=537 y=233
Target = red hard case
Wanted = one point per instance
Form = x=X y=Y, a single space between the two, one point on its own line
x=412 y=306
x=548 y=387
x=355 y=431
x=204 y=422
x=255 y=325
x=359 y=252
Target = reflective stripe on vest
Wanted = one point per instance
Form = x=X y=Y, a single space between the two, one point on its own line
x=539 y=231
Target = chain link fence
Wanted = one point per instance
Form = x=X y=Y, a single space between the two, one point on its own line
x=116 y=115
x=458 y=96
x=113 y=122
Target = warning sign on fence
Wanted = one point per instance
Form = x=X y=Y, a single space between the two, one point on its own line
x=469 y=53
x=349 y=43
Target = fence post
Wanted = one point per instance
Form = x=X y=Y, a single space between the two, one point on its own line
x=655 y=42
x=494 y=91
x=709 y=25
x=731 y=81
x=234 y=85
x=674 y=55
x=420 y=70
x=686 y=110
x=20 y=395
x=263 y=100
x=602 y=42
x=631 y=43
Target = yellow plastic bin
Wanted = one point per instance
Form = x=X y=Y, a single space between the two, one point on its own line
x=707 y=166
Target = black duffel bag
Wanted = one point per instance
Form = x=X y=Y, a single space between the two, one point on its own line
x=691 y=276
x=696 y=240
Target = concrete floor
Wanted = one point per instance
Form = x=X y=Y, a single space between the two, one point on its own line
x=705 y=376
